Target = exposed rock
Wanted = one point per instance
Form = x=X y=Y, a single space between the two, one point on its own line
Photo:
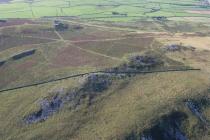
x=140 y=62
x=48 y=107
x=177 y=47
x=97 y=83
x=173 y=47
x=195 y=108
x=93 y=86
x=167 y=129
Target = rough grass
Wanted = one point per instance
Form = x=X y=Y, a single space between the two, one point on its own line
x=50 y=61
x=139 y=100
x=74 y=57
x=119 y=48
x=41 y=31
x=15 y=41
x=88 y=33
x=130 y=105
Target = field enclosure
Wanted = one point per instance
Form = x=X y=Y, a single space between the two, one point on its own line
x=112 y=10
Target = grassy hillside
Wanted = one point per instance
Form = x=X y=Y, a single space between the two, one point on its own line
x=131 y=107
x=146 y=65
x=128 y=106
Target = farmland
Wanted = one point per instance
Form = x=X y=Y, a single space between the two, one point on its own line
x=96 y=69
x=98 y=10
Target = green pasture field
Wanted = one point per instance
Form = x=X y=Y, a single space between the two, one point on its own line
x=101 y=10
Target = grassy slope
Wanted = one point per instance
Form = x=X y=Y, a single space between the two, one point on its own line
x=53 y=57
x=132 y=105
x=128 y=106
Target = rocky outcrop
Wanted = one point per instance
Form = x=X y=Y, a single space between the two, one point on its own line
x=177 y=47
x=142 y=62
x=167 y=128
x=92 y=86
x=196 y=108
x=47 y=108
x=139 y=63
x=173 y=47
x=97 y=83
